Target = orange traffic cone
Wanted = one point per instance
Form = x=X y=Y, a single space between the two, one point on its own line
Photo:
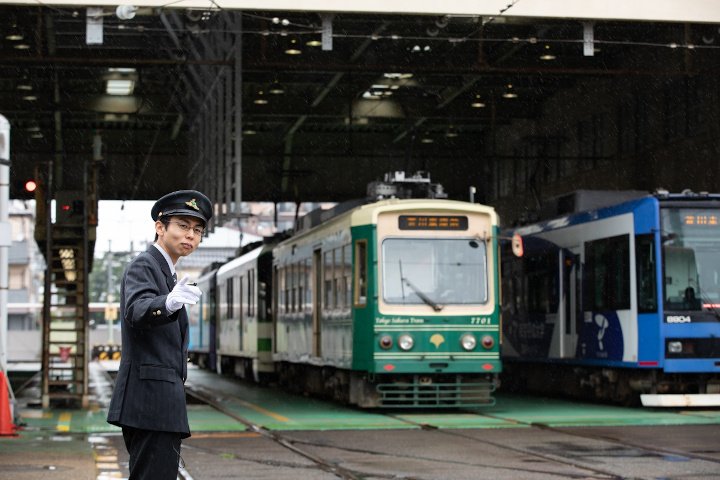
x=6 y=423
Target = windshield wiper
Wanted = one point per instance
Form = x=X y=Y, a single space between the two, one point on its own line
x=422 y=296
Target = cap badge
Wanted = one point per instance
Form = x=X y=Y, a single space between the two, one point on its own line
x=192 y=204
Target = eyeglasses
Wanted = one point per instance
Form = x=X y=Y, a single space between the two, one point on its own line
x=186 y=228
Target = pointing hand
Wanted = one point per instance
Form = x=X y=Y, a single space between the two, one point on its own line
x=182 y=294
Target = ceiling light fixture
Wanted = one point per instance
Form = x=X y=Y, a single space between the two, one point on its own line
x=276 y=88
x=120 y=81
x=116 y=117
x=120 y=87
x=260 y=100
x=25 y=86
x=451 y=132
x=398 y=76
x=509 y=92
x=14 y=35
x=477 y=102
x=21 y=46
x=30 y=98
x=313 y=43
x=547 y=54
x=293 y=48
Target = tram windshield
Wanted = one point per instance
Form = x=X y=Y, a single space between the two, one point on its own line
x=436 y=272
x=691 y=251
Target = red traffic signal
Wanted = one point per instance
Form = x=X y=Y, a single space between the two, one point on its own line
x=30 y=186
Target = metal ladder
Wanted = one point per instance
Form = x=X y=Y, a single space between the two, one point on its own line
x=65 y=320
x=68 y=246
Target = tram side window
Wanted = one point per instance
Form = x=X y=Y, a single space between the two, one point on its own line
x=607 y=274
x=309 y=286
x=338 y=278
x=250 y=283
x=328 y=267
x=347 y=282
x=300 y=271
x=541 y=287
x=284 y=292
x=360 y=273
x=293 y=287
x=646 y=278
x=229 y=298
x=240 y=300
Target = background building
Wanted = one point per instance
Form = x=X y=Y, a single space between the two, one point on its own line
x=26 y=270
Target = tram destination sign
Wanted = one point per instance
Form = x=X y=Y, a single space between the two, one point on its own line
x=433 y=222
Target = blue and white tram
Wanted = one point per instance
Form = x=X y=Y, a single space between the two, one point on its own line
x=619 y=300
x=203 y=322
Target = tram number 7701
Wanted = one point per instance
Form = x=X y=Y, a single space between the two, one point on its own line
x=480 y=321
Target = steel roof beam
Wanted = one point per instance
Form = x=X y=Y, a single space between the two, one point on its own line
x=700 y=11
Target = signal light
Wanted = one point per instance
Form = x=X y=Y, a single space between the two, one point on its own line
x=65 y=208
x=30 y=186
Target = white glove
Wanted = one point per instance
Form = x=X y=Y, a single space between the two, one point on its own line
x=181 y=295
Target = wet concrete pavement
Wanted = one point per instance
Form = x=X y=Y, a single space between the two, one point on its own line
x=294 y=438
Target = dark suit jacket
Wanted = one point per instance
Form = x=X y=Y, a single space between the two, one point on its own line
x=149 y=389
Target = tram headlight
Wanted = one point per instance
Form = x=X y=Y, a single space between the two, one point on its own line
x=386 y=342
x=405 y=342
x=468 y=341
x=675 y=347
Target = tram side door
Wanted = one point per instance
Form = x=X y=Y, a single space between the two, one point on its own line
x=570 y=300
x=317 y=302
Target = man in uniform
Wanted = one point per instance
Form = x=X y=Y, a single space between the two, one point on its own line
x=149 y=397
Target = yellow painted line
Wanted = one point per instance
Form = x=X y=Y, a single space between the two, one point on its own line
x=264 y=411
x=64 y=422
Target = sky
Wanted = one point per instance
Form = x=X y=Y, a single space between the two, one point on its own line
x=120 y=223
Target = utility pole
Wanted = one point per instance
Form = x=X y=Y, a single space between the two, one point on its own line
x=109 y=297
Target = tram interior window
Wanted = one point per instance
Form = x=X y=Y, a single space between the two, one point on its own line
x=361 y=273
x=681 y=279
x=646 y=278
x=607 y=274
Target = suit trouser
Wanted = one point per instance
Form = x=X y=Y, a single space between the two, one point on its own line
x=153 y=455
